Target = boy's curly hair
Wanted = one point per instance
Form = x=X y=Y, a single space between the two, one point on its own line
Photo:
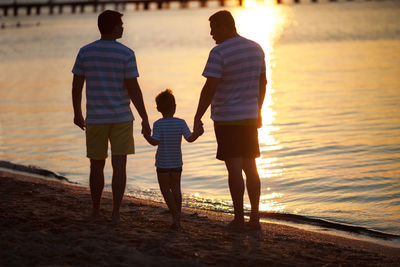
x=165 y=100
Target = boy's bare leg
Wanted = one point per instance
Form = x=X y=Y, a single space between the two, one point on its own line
x=253 y=189
x=164 y=181
x=96 y=181
x=236 y=187
x=118 y=184
x=176 y=191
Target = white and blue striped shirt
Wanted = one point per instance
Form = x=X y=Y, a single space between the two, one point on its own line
x=169 y=131
x=238 y=62
x=105 y=65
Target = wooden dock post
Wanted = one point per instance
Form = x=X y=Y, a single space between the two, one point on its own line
x=296 y=1
x=221 y=2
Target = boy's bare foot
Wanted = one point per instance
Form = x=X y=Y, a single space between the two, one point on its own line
x=176 y=222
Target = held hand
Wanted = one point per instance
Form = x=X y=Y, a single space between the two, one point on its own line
x=199 y=131
x=198 y=126
x=80 y=122
x=146 y=130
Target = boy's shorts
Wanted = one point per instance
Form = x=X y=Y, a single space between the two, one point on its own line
x=119 y=134
x=169 y=170
x=237 y=141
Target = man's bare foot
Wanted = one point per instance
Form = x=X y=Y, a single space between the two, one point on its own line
x=236 y=225
x=116 y=219
x=94 y=216
x=253 y=225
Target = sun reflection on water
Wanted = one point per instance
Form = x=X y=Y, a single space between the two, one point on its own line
x=262 y=22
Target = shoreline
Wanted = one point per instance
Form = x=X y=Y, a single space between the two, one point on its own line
x=294 y=220
x=44 y=223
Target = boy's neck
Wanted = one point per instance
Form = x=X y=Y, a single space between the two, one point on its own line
x=168 y=114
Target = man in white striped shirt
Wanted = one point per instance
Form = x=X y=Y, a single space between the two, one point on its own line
x=235 y=88
x=110 y=71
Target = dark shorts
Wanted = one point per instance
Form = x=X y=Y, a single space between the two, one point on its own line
x=237 y=141
x=162 y=170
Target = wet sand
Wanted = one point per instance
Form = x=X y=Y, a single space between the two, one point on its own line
x=45 y=223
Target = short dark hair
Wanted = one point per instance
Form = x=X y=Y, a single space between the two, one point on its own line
x=107 y=20
x=165 y=100
x=223 y=18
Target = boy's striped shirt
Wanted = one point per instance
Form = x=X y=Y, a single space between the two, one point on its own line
x=169 y=131
x=105 y=65
x=239 y=63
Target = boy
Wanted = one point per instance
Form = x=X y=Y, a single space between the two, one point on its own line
x=167 y=135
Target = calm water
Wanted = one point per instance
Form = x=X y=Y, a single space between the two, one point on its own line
x=331 y=132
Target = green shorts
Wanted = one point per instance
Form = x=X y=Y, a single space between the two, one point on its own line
x=119 y=134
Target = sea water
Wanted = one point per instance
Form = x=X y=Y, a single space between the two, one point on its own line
x=330 y=141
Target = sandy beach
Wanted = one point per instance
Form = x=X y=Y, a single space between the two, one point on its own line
x=44 y=223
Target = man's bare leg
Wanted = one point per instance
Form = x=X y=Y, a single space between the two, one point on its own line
x=118 y=184
x=253 y=185
x=96 y=181
x=236 y=187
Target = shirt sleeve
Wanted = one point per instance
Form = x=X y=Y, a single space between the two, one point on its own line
x=214 y=65
x=78 y=68
x=156 y=131
x=131 y=70
x=185 y=130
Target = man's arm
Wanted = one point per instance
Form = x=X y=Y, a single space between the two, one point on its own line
x=77 y=87
x=136 y=96
x=261 y=96
x=207 y=94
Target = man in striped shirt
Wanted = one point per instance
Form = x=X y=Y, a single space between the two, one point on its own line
x=235 y=88
x=110 y=71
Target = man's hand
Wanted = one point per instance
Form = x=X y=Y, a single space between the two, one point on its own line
x=198 y=127
x=199 y=130
x=80 y=122
x=146 y=130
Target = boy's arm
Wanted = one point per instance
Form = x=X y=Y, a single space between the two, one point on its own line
x=151 y=140
x=77 y=87
x=135 y=94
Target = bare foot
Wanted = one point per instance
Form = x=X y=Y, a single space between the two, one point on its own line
x=236 y=225
x=94 y=216
x=176 y=222
x=253 y=225
x=116 y=219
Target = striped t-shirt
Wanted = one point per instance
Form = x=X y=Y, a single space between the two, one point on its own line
x=169 y=131
x=105 y=65
x=239 y=63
